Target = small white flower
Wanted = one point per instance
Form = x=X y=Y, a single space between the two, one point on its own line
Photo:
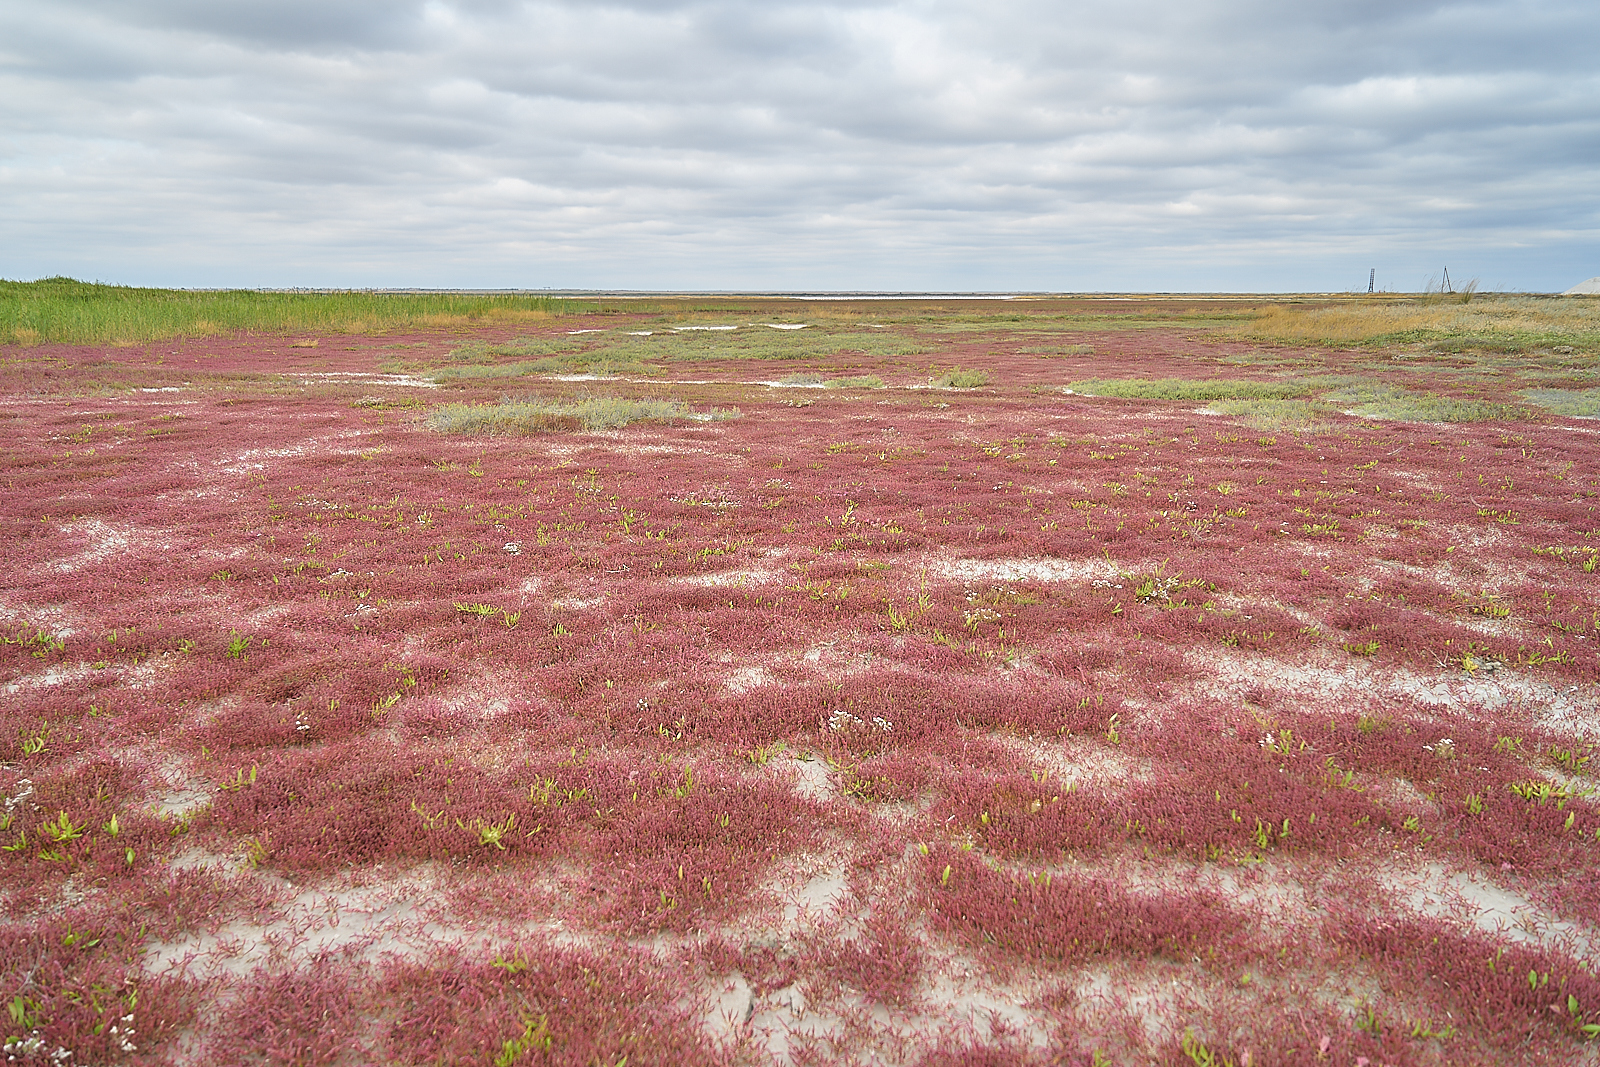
x=514 y=547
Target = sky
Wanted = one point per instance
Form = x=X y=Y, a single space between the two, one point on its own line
x=935 y=145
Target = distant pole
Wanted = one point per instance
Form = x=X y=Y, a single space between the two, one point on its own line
x=1372 y=279
x=1447 y=287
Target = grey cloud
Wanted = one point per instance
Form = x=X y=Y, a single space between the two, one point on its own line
x=936 y=143
x=315 y=25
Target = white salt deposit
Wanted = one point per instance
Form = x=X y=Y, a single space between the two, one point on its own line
x=785 y=325
x=681 y=328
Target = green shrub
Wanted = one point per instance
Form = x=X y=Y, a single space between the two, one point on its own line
x=963 y=379
x=1059 y=350
x=515 y=417
x=1580 y=403
x=1273 y=414
x=1193 y=390
x=1377 y=400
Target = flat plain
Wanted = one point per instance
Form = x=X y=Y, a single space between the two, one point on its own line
x=1063 y=680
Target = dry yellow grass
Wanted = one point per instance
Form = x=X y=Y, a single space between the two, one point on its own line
x=1520 y=321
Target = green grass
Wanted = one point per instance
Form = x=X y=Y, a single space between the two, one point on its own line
x=1285 y=405
x=1076 y=321
x=478 y=352
x=756 y=342
x=1059 y=350
x=1380 y=401
x=517 y=417
x=957 y=378
x=1580 y=403
x=61 y=309
x=1194 y=390
x=860 y=381
x=624 y=354
x=1274 y=414
x=602 y=364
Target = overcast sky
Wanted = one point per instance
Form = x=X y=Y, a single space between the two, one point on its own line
x=941 y=144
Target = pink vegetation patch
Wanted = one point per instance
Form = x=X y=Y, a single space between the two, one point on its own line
x=991 y=726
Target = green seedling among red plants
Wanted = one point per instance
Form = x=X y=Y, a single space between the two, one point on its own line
x=1055 y=682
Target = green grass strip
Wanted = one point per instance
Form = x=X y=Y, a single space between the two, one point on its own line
x=1578 y=403
x=518 y=417
x=1189 y=389
x=62 y=309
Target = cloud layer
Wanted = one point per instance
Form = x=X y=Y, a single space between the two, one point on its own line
x=1154 y=144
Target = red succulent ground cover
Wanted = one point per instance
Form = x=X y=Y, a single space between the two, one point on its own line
x=905 y=726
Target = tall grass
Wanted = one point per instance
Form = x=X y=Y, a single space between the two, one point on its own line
x=62 y=309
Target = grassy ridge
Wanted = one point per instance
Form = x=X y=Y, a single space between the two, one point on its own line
x=62 y=309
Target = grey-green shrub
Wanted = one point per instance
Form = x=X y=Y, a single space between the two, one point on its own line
x=514 y=417
x=963 y=379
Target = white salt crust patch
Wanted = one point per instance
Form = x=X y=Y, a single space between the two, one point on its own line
x=406 y=381
x=818 y=899
x=755 y=576
x=254 y=459
x=53 y=675
x=811 y=778
x=104 y=541
x=1348 y=681
x=180 y=796
x=1440 y=893
x=1020 y=570
x=373 y=921
x=747 y=678
x=1076 y=762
